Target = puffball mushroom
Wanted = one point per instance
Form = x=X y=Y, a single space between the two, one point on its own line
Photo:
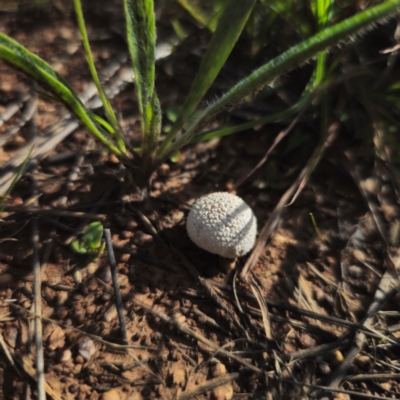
x=223 y=224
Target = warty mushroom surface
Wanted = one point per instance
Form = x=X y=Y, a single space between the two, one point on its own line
x=223 y=224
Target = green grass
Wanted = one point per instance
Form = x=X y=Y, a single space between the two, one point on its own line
x=310 y=38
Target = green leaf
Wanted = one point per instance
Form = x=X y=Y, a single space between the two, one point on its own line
x=230 y=26
x=106 y=103
x=37 y=69
x=91 y=242
x=93 y=234
x=295 y=108
x=290 y=59
x=79 y=247
x=141 y=38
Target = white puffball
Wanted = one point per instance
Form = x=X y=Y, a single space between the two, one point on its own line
x=223 y=224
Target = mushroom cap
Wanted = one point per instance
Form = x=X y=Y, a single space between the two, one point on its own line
x=223 y=224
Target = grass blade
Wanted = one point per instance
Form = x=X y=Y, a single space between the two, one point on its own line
x=295 y=108
x=230 y=26
x=293 y=57
x=37 y=69
x=141 y=38
x=106 y=103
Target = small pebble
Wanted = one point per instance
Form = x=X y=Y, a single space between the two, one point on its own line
x=105 y=274
x=142 y=239
x=110 y=395
x=110 y=314
x=324 y=368
x=87 y=348
x=178 y=317
x=73 y=388
x=61 y=297
x=178 y=216
x=355 y=271
x=218 y=369
x=66 y=356
x=57 y=339
x=91 y=309
x=48 y=294
x=126 y=234
x=92 y=268
x=79 y=360
x=105 y=297
x=163 y=170
x=363 y=361
x=306 y=341
x=124 y=258
x=26 y=304
x=77 y=277
x=47 y=311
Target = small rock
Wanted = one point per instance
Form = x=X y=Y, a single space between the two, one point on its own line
x=324 y=368
x=306 y=341
x=178 y=317
x=218 y=369
x=105 y=274
x=126 y=234
x=341 y=396
x=224 y=392
x=163 y=170
x=363 y=361
x=26 y=303
x=77 y=277
x=92 y=267
x=47 y=311
x=73 y=388
x=110 y=395
x=356 y=271
x=105 y=297
x=386 y=386
x=112 y=158
x=87 y=348
x=61 y=297
x=142 y=239
x=66 y=356
x=49 y=294
x=178 y=216
x=57 y=339
x=124 y=258
x=91 y=309
x=79 y=360
x=110 y=314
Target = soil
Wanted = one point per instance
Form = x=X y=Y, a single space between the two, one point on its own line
x=194 y=327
